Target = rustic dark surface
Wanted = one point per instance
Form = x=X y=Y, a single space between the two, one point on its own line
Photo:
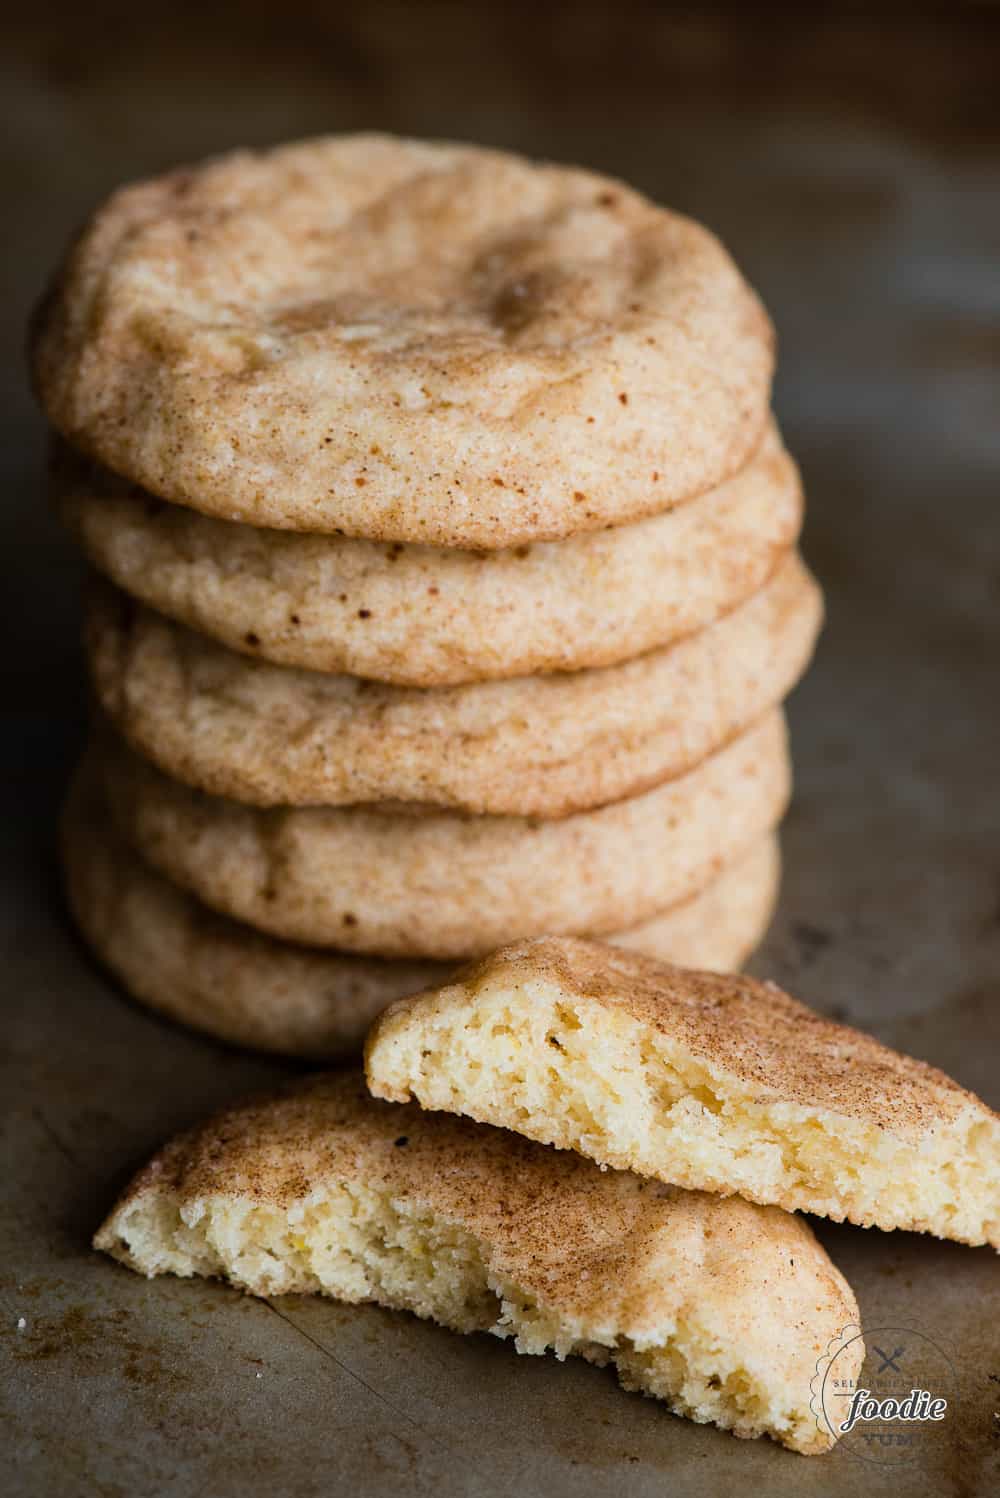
x=853 y=165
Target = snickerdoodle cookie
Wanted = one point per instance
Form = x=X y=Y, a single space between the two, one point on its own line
x=719 y=1307
x=404 y=341
x=542 y=746
x=400 y=883
x=711 y=1081
x=427 y=616
x=221 y=977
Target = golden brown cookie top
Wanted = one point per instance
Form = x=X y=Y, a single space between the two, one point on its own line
x=601 y=1246
x=404 y=341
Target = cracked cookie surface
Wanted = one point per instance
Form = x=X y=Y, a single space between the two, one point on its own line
x=404 y=341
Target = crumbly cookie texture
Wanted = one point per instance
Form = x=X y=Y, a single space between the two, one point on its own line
x=715 y=1082
x=441 y=884
x=221 y=977
x=718 y=1307
x=544 y=746
x=425 y=616
x=404 y=341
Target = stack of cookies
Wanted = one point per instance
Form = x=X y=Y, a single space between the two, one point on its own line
x=446 y=586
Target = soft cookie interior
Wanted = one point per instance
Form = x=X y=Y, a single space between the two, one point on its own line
x=356 y=1242
x=522 y=1050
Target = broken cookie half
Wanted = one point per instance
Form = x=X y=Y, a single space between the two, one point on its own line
x=719 y=1307
x=719 y=1083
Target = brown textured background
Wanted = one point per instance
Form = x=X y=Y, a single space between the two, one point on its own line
x=850 y=157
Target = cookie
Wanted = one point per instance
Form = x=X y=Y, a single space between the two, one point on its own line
x=406 y=342
x=204 y=970
x=723 y=923
x=718 y=1307
x=400 y=884
x=719 y=1083
x=541 y=746
x=423 y=616
x=201 y=969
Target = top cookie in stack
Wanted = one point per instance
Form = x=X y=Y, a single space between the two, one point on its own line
x=435 y=476
x=405 y=342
